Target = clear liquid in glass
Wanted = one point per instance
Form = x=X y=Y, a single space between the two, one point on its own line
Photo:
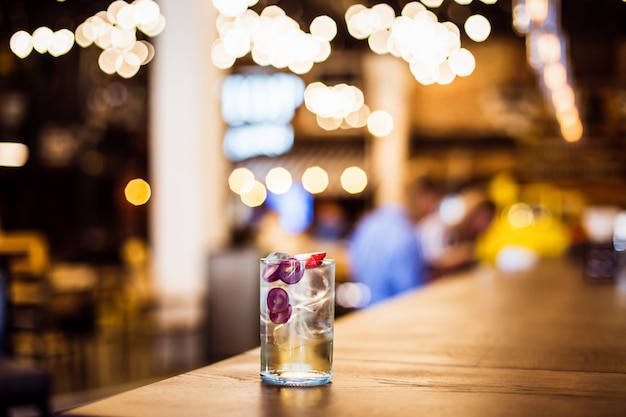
x=299 y=352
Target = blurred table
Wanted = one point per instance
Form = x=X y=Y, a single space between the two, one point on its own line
x=486 y=343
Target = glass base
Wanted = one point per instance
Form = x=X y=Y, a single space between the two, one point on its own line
x=296 y=378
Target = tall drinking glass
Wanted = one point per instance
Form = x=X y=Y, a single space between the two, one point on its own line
x=297 y=309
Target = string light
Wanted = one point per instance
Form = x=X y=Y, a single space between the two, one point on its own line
x=271 y=38
x=114 y=30
x=547 y=55
x=417 y=37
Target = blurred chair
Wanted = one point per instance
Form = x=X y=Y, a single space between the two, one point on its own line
x=46 y=303
x=28 y=288
x=20 y=384
x=46 y=310
x=24 y=385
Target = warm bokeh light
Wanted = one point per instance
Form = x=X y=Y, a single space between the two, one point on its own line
x=43 y=40
x=547 y=54
x=61 y=42
x=353 y=180
x=324 y=28
x=521 y=19
x=231 y=8
x=555 y=75
x=549 y=48
x=328 y=123
x=278 y=180
x=333 y=101
x=358 y=118
x=21 y=43
x=573 y=131
x=598 y=222
x=353 y=294
x=520 y=215
x=271 y=38
x=477 y=28
x=462 y=62
x=418 y=38
x=42 y=37
x=380 y=123
x=432 y=3
x=315 y=180
x=241 y=180
x=379 y=42
x=113 y=30
x=110 y=61
x=255 y=196
x=537 y=9
x=334 y=105
x=137 y=192
x=13 y=154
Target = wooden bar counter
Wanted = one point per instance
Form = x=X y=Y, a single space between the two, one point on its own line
x=540 y=342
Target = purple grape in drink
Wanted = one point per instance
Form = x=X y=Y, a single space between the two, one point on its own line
x=297 y=319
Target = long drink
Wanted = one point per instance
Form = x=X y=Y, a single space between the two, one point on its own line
x=297 y=309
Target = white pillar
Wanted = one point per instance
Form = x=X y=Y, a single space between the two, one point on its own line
x=188 y=178
x=388 y=86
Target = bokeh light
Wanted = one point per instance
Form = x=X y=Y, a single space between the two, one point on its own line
x=416 y=36
x=353 y=180
x=231 y=8
x=21 y=43
x=241 y=180
x=380 y=123
x=341 y=105
x=520 y=215
x=255 y=196
x=271 y=38
x=452 y=209
x=137 y=192
x=42 y=37
x=432 y=3
x=462 y=62
x=324 y=28
x=477 y=28
x=315 y=180
x=278 y=180
x=353 y=295
x=113 y=30
x=619 y=232
x=13 y=154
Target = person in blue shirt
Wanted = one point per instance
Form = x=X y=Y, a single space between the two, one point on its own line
x=384 y=252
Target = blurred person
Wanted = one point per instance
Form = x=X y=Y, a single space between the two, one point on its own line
x=330 y=222
x=448 y=235
x=384 y=252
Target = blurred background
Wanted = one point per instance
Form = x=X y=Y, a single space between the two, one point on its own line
x=150 y=155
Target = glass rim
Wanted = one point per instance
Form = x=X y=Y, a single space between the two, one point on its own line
x=265 y=260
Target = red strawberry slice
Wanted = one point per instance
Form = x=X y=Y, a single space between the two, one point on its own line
x=312 y=259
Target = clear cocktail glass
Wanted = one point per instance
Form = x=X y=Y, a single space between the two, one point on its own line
x=297 y=310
